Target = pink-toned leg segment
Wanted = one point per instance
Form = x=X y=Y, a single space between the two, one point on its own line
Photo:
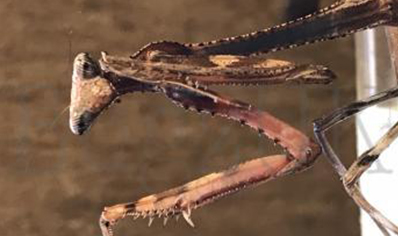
x=298 y=145
x=202 y=191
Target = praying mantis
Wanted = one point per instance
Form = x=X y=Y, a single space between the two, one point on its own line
x=183 y=73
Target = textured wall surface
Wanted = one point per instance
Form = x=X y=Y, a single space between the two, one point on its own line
x=55 y=183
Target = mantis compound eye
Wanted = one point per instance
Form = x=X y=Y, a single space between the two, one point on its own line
x=84 y=67
x=91 y=93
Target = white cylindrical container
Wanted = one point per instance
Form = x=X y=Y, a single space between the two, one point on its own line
x=375 y=74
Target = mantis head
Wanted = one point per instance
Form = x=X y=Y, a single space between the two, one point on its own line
x=91 y=93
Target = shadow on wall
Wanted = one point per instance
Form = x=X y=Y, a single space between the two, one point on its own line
x=299 y=8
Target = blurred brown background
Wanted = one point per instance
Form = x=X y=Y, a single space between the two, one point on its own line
x=55 y=183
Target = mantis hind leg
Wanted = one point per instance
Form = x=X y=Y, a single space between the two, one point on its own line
x=350 y=177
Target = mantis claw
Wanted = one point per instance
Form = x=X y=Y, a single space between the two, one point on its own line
x=187 y=216
x=106 y=226
x=165 y=219
x=150 y=221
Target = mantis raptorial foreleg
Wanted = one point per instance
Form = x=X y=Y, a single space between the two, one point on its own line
x=301 y=154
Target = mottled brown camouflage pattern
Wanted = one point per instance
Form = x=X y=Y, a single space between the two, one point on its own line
x=181 y=72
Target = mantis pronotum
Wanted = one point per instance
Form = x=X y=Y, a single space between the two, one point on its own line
x=183 y=71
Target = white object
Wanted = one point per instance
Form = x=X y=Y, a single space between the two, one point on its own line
x=374 y=74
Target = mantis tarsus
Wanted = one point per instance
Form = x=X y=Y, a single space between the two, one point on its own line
x=183 y=71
